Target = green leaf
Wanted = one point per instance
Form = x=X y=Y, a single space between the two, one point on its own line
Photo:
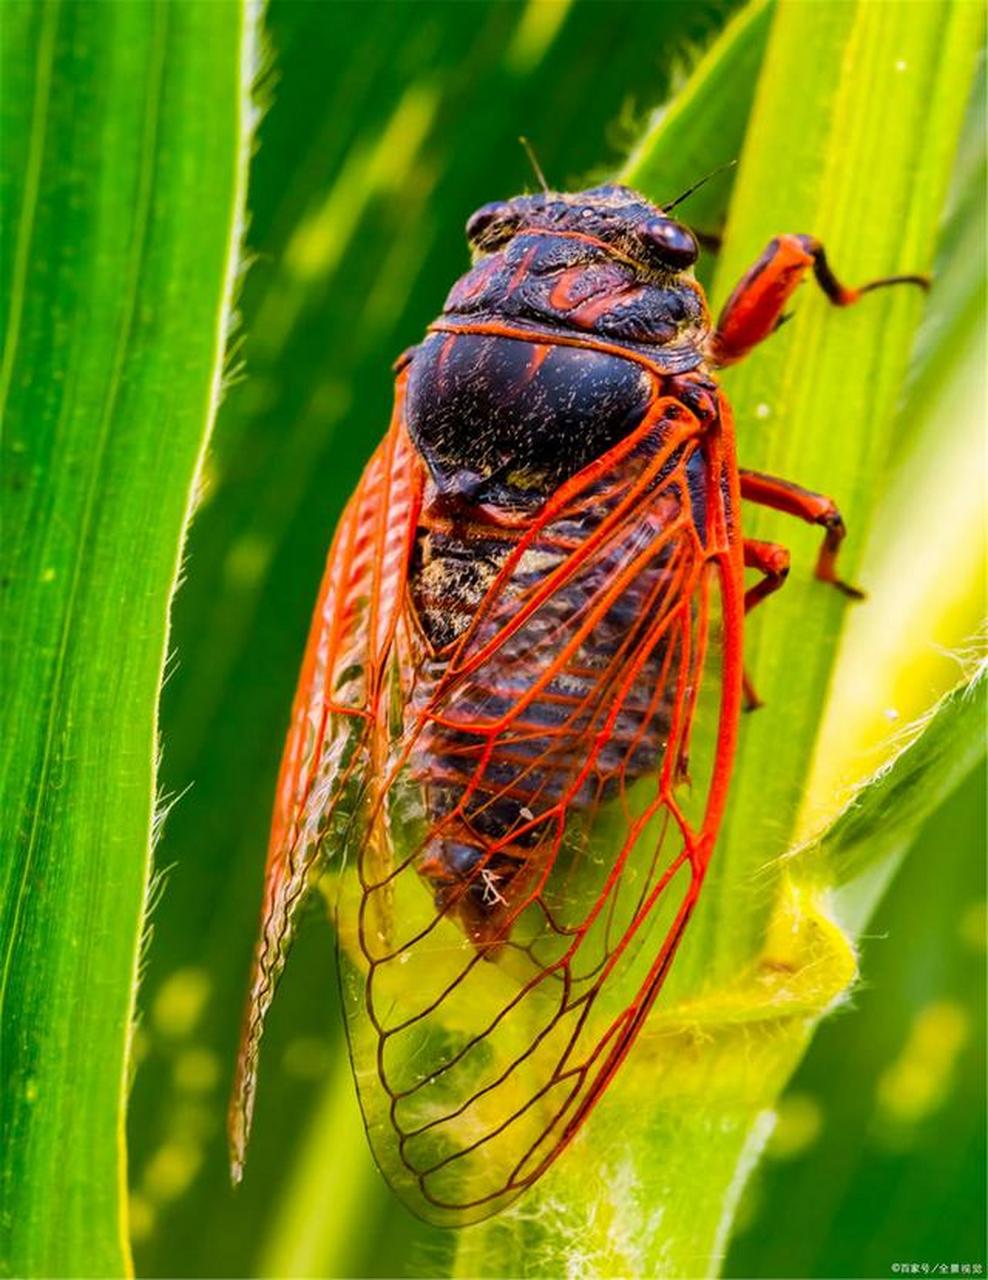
x=703 y=127
x=126 y=134
x=879 y=821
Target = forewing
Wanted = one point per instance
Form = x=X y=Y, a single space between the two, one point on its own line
x=337 y=721
x=527 y=875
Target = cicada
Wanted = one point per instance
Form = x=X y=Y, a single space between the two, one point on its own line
x=536 y=590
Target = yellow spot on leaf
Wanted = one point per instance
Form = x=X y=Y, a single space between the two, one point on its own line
x=321 y=239
x=247 y=561
x=171 y=1169
x=539 y=24
x=142 y=1217
x=196 y=1071
x=973 y=927
x=179 y=1002
x=800 y=1120
x=918 y=1082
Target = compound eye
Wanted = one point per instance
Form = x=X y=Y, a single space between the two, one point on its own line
x=671 y=242
x=491 y=225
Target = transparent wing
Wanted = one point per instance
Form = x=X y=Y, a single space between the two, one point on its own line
x=336 y=724
x=525 y=873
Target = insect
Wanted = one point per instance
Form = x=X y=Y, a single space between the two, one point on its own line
x=536 y=589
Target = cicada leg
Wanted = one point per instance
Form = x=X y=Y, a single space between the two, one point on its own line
x=814 y=508
x=771 y=560
x=755 y=308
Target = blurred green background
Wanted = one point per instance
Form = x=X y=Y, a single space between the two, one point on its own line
x=387 y=124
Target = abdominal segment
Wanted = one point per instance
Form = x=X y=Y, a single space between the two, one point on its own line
x=550 y=674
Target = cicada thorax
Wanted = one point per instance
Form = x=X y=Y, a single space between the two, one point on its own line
x=531 y=739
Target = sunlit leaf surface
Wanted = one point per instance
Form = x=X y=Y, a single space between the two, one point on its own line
x=125 y=139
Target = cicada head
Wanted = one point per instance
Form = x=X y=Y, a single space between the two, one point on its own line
x=604 y=261
x=613 y=214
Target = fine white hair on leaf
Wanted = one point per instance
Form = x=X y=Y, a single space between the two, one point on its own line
x=759 y=1133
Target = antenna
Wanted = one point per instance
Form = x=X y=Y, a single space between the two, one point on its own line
x=667 y=208
x=535 y=164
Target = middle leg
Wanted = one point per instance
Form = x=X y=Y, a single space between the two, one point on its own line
x=814 y=508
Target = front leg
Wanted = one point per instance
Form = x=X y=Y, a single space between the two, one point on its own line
x=755 y=308
x=814 y=508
